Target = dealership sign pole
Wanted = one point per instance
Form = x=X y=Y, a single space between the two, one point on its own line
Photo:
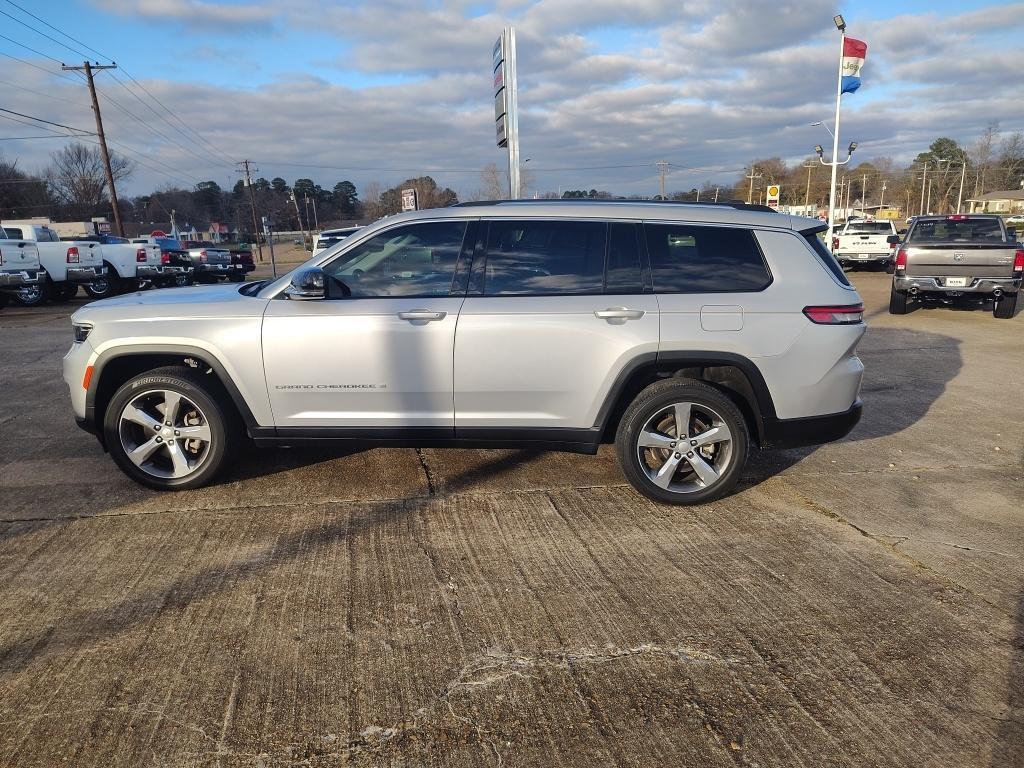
x=506 y=107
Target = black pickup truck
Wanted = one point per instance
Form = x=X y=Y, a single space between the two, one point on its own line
x=946 y=257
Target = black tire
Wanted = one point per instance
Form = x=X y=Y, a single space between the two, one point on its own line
x=4 y=299
x=1006 y=306
x=898 y=301
x=657 y=401
x=181 y=281
x=204 y=392
x=35 y=295
x=104 y=287
x=236 y=277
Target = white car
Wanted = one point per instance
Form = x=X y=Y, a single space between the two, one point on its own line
x=686 y=332
x=331 y=237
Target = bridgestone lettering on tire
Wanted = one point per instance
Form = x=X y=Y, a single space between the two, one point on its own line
x=171 y=429
x=682 y=442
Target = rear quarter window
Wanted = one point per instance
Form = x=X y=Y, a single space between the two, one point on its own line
x=699 y=259
x=825 y=256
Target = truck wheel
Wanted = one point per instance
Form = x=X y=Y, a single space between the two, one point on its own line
x=34 y=295
x=181 y=281
x=898 y=301
x=682 y=442
x=236 y=277
x=171 y=429
x=1006 y=307
x=104 y=287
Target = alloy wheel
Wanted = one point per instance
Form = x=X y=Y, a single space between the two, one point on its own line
x=165 y=434
x=685 y=447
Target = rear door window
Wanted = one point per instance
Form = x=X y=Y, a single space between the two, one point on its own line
x=700 y=259
x=544 y=257
x=622 y=272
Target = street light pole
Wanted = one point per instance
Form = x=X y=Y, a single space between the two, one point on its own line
x=841 y=26
x=960 y=197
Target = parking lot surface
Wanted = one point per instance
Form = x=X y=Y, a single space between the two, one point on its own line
x=857 y=604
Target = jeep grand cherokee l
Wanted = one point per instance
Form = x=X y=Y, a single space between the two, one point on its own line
x=686 y=333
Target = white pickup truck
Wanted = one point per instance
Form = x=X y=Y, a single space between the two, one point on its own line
x=103 y=269
x=19 y=265
x=862 y=241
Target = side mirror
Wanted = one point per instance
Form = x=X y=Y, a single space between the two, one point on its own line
x=893 y=239
x=307 y=285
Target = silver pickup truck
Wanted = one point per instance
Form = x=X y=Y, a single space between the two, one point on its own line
x=945 y=257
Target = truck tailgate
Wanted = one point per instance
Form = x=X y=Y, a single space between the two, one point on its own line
x=90 y=254
x=864 y=243
x=966 y=259
x=18 y=254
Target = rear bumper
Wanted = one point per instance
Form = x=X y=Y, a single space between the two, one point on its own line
x=215 y=270
x=85 y=274
x=976 y=285
x=21 y=277
x=863 y=258
x=811 y=430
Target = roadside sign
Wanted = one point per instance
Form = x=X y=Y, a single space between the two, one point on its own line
x=506 y=112
x=408 y=200
x=499 y=105
x=773 y=195
x=502 y=131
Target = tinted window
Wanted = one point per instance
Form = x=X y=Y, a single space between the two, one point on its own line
x=545 y=257
x=825 y=256
x=623 y=267
x=966 y=230
x=416 y=260
x=688 y=259
x=868 y=227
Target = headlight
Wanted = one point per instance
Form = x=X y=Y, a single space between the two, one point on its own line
x=82 y=332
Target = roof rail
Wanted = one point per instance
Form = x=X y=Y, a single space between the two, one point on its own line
x=736 y=204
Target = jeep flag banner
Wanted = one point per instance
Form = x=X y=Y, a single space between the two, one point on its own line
x=854 y=53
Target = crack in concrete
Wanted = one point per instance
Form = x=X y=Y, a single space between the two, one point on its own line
x=893 y=548
x=427 y=473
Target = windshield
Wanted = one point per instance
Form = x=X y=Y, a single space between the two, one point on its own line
x=960 y=230
x=868 y=227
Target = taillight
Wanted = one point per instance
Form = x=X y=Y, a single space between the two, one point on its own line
x=165 y=258
x=1018 y=261
x=140 y=255
x=847 y=314
x=835 y=243
x=901 y=261
x=73 y=255
x=202 y=255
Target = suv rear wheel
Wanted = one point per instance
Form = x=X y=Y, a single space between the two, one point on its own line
x=170 y=430
x=682 y=442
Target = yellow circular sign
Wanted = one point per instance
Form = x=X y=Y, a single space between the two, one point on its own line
x=773 y=191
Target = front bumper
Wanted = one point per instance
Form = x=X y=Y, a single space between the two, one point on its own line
x=85 y=274
x=938 y=285
x=20 y=278
x=811 y=430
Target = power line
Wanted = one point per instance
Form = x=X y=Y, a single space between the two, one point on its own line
x=48 y=37
x=30 y=48
x=58 y=31
x=48 y=122
x=23 y=138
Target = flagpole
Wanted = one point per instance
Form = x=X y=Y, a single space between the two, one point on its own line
x=835 y=139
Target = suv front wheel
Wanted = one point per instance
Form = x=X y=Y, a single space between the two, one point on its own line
x=170 y=429
x=682 y=442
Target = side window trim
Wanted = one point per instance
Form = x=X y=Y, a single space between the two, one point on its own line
x=643 y=263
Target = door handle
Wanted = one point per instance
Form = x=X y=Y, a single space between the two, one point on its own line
x=619 y=313
x=422 y=314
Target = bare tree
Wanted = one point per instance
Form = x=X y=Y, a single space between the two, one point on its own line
x=372 y=208
x=77 y=177
x=981 y=155
x=494 y=182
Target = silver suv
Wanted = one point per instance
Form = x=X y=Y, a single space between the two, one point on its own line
x=683 y=332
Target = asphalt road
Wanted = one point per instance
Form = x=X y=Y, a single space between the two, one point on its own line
x=859 y=604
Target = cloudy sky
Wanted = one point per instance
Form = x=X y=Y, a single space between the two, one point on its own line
x=387 y=89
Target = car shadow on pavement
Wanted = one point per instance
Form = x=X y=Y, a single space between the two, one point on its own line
x=1009 y=746
x=99 y=626
x=896 y=395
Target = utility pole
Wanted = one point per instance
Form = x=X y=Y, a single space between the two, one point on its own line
x=298 y=217
x=930 y=195
x=924 y=178
x=305 y=202
x=752 y=176
x=174 y=227
x=960 y=197
x=864 y=194
x=663 y=167
x=881 y=198
x=252 y=200
x=716 y=193
x=807 y=192
x=316 y=219
x=88 y=69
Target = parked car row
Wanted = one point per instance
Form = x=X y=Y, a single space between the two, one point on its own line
x=36 y=266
